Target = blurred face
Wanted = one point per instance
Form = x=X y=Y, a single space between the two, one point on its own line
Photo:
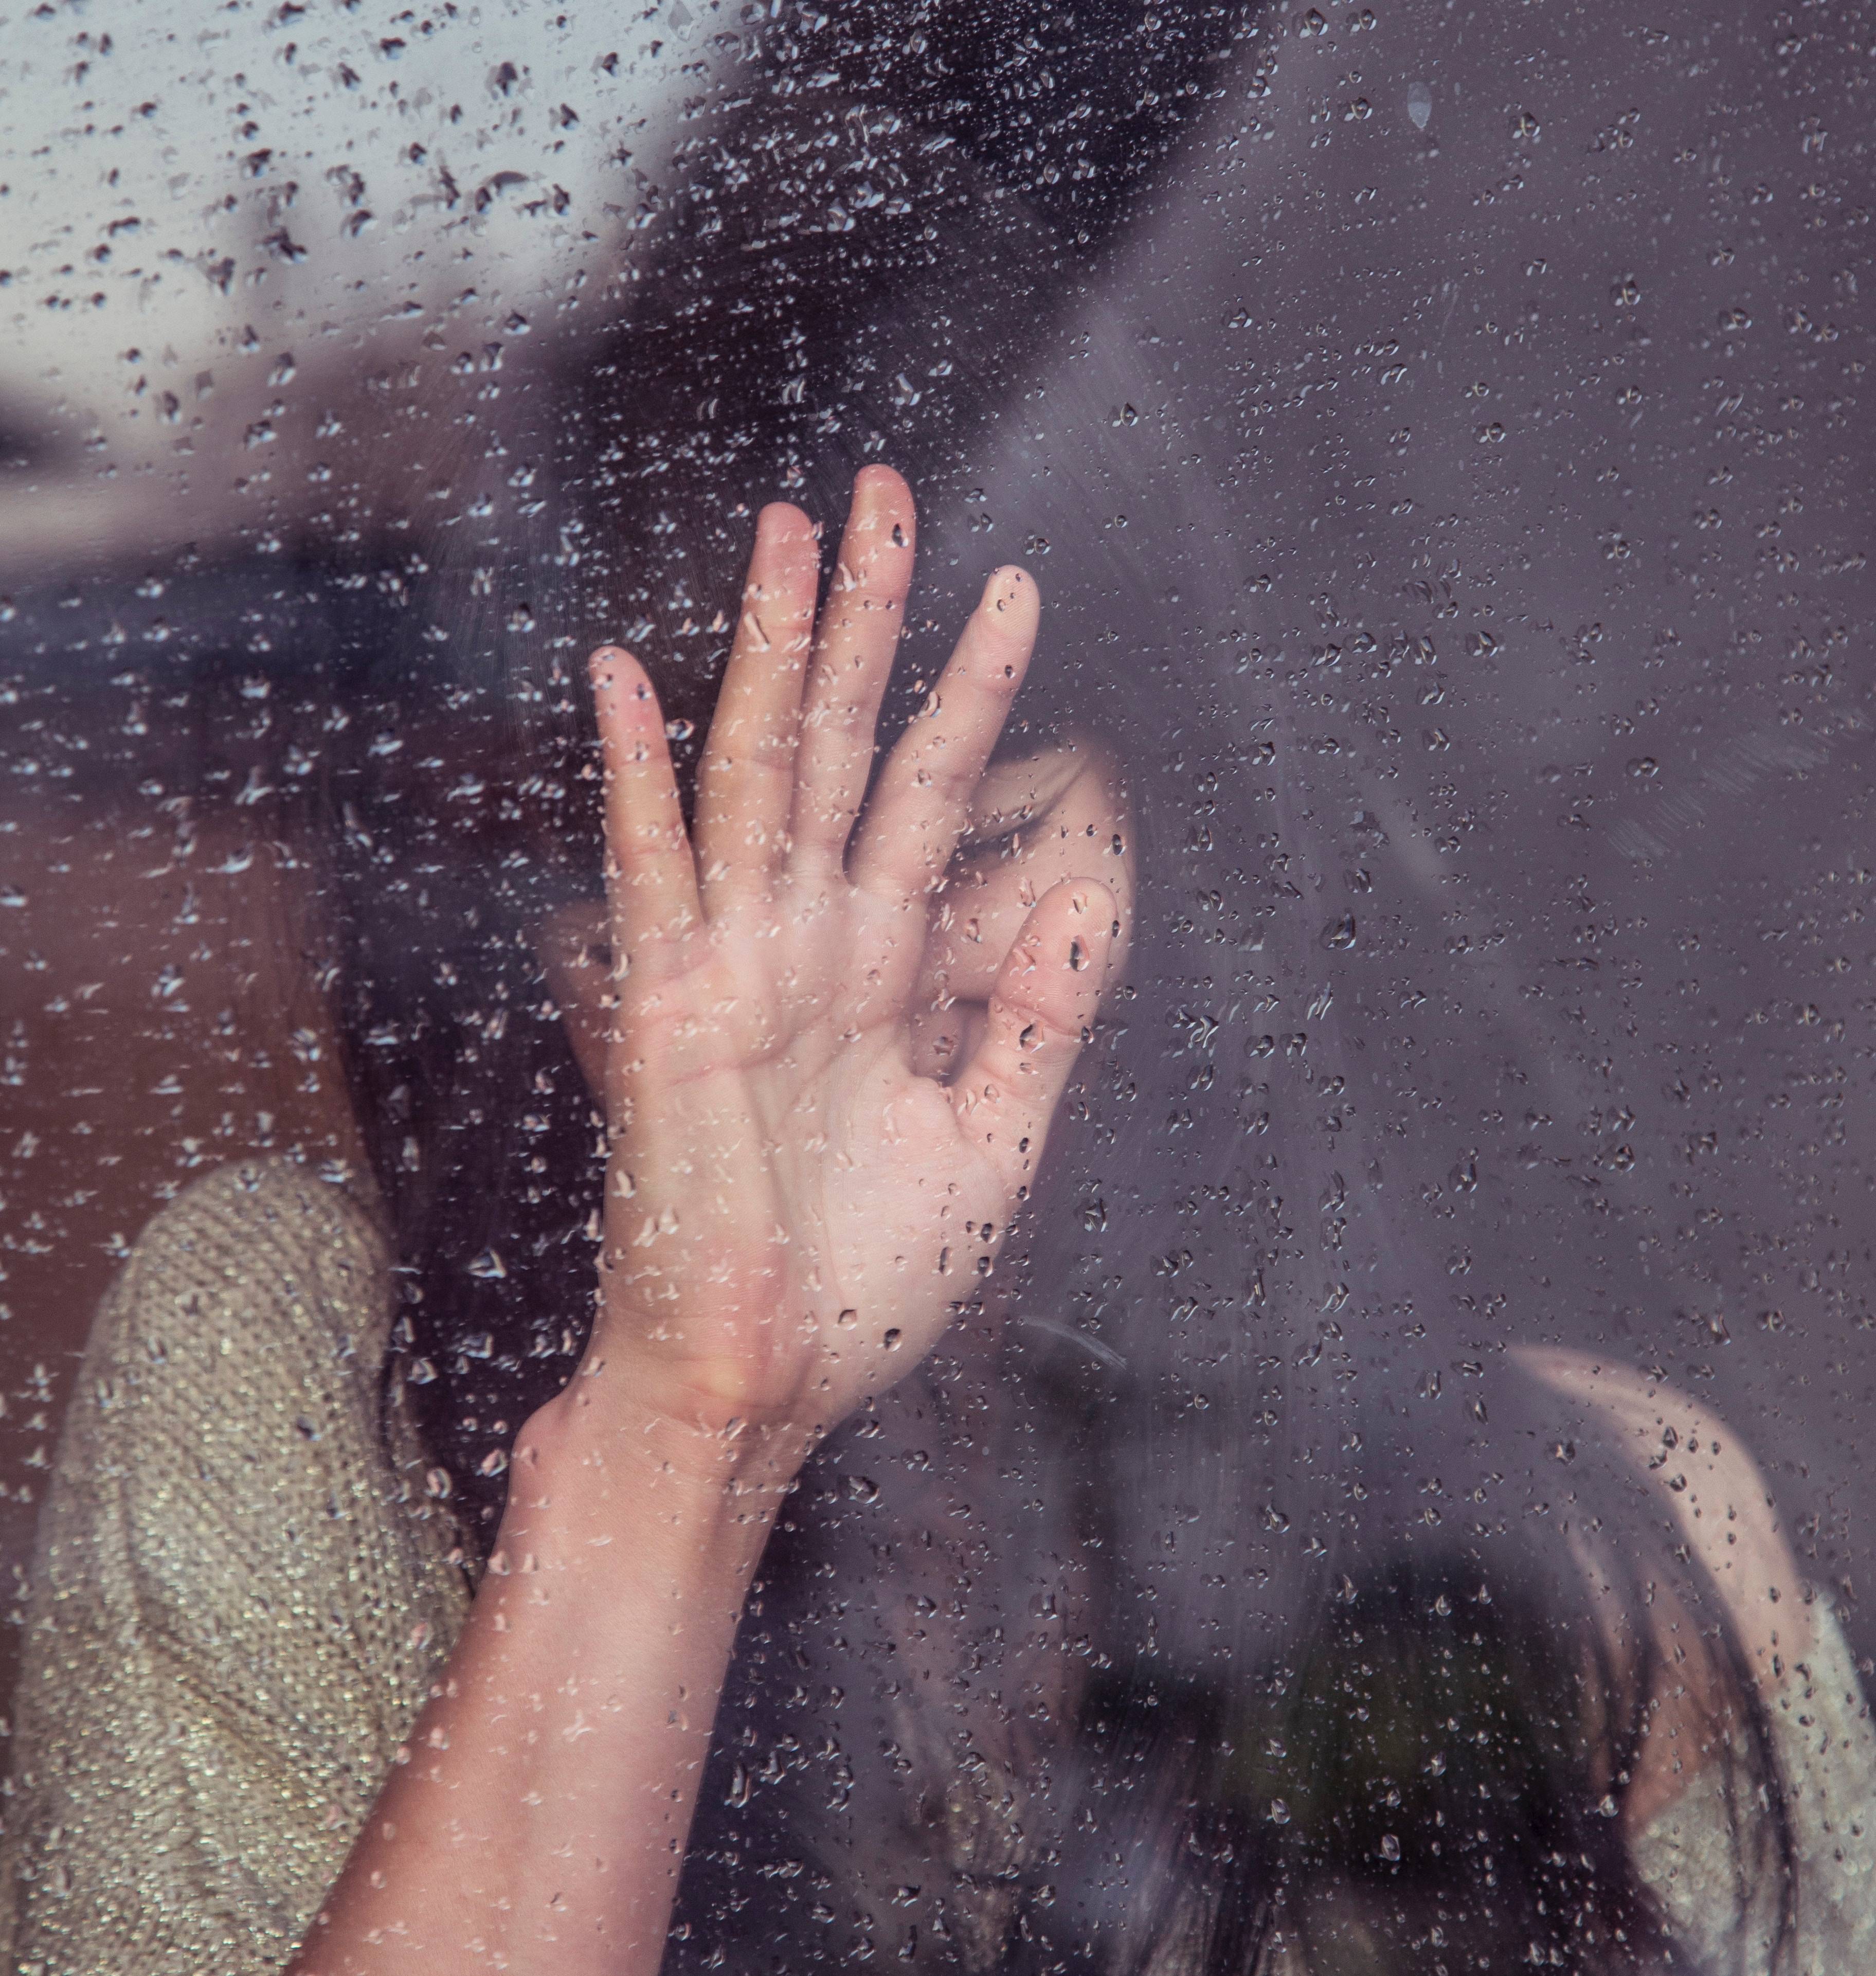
x=1060 y=813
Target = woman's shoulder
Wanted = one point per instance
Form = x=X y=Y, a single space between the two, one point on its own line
x=246 y=1264
x=273 y=1192
x=1695 y=1859
x=231 y=1413
x=240 y=1594
x=233 y=1232
x=247 y=1324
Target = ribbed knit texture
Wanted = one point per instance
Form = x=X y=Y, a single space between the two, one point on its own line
x=1723 y=1903
x=240 y=1596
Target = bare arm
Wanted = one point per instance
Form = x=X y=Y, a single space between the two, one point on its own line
x=793 y=1208
x=544 y=1807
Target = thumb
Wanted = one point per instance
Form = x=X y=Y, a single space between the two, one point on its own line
x=1041 y=1007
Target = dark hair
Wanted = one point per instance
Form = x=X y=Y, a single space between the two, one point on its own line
x=1432 y=1765
x=1133 y=1624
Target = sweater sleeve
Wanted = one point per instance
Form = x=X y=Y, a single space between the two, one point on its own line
x=1725 y=1905
x=238 y=1602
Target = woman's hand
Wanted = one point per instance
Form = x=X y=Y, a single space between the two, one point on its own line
x=1709 y=1484
x=799 y=1191
x=803 y=1185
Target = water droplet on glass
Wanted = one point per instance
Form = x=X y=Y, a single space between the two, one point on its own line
x=1419 y=105
x=1340 y=933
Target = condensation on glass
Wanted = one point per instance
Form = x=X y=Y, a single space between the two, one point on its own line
x=1441 y=436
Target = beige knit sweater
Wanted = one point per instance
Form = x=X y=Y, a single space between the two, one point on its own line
x=242 y=1592
x=240 y=1596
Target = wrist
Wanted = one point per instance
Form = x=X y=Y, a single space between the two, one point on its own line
x=589 y=1468
x=701 y=1416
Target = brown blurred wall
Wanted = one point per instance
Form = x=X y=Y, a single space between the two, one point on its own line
x=158 y=1015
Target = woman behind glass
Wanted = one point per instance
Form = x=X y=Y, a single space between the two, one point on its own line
x=1603 y=1725
x=1171 y=1615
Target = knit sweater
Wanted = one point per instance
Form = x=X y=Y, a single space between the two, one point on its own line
x=243 y=1591
x=240 y=1596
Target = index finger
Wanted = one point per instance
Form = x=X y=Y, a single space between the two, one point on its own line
x=924 y=796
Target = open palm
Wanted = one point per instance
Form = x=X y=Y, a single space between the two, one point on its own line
x=792 y=1210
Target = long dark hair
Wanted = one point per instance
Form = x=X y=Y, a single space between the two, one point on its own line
x=1188 y=1603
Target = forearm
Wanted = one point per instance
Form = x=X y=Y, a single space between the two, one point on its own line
x=540 y=1817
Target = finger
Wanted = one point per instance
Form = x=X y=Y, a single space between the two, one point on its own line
x=1612 y=1394
x=574 y=945
x=1659 y=1417
x=1045 y=998
x=853 y=656
x=1621 y=1394
x=1061 y=813
x=651 y=878
x=924 y=796
x=746 y=782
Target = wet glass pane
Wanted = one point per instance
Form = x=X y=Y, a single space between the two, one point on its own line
x=1119 y=1226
